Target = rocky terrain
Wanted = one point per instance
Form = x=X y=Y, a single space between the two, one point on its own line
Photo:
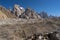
x=20 y=23
x=22 y=29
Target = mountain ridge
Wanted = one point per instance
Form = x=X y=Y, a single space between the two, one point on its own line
x=20 y=12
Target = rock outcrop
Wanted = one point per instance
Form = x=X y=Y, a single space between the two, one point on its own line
x=18 y=10
x=29 y=13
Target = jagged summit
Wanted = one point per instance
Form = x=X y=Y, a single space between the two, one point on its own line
x=29 y=13
x=18 y=10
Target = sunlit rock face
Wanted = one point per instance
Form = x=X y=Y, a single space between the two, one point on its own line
x=29 y=13
x=7 y=12
x=18 y=10
x=2 y=15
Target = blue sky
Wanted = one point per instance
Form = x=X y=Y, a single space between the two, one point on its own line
x=52 y=7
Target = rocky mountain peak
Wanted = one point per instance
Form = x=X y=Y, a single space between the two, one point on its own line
x=28 y=9
x=2 y=8
x=29 y=13
x=18 y=10
x=43 y=14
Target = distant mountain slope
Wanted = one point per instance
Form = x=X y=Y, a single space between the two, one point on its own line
x=2 y=15
x=43 y=14
x=7 y=12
